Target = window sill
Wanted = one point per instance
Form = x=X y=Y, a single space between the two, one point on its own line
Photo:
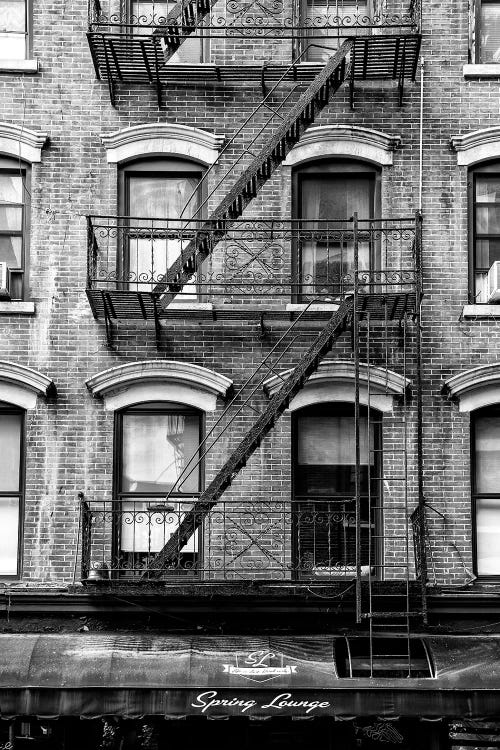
x=481 y=311
x=17 y=308
x=19 y=66
x=320 y=307
x=482 y=70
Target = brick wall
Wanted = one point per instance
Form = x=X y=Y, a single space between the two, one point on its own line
x=70 y=439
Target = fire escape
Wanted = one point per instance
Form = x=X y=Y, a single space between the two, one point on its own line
x=246 y=267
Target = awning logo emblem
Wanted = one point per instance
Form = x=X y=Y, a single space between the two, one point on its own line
x=260 y=666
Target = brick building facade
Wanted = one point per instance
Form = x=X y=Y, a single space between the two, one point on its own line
x=265 y=237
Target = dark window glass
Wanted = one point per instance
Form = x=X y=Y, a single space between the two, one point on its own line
x=489 y=42
x=332 y=192
x=486 y=228
x=486 y=490
x=11 y=482
x=14 y=197
x=324 y=473
x=158 y=445
x=13 y=29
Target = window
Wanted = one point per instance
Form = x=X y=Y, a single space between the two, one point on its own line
x=13 y=29
x=193 y=48
x=324 y=470
x=346 y=18
x=152 y=191
x=156 y=442
x=484 y=189
x=332 y=191
x=14 y=214
x=488 y=24
x=486 y=489
x=11 y=488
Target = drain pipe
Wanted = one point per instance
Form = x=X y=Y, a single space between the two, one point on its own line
x=421 y=154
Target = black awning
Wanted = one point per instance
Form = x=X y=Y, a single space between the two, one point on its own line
x=134 y=675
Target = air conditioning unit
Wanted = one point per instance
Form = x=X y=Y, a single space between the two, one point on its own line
x=4 y=281
x=493 y=288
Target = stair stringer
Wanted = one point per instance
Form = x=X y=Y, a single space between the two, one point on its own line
x=300 y=117
x=238 y=459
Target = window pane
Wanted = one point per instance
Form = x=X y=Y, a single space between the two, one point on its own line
x=156 y=448
x=12 y=46
x=490 y=32
x=488 y=536
x=488 y=219
x=11 y=188
x=487 y=251
x=10 y=451
x=488 y=189
x=336 y=197
x=12 y=15
x=9 y=535
x=11 y=217
x=487 y=443
x=326 y=455
x=162 y=197
x=11 y=251
x=325 y=41
x=147 y=525
x=145 y=11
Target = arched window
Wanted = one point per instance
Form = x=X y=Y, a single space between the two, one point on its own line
x=156 y=196
x=324 y=509
x=11 y=488
x=484 y=202
x=157 y=450
x=485 y=424
x=326 y=194
x=14 y=227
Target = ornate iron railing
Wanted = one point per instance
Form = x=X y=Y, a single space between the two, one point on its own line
x=258 y=258
x=261 y=18
x=312 y=539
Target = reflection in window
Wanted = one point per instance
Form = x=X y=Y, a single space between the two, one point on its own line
x=11 y=470
x=14 y=195
x=154 y=192
x=489 y=37
x=486 y=227
x=486 y=490
x=150 y=12
x=13 y=29
x=324 y=489
x=157 y=442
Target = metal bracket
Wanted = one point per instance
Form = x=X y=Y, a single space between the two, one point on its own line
x=402 y=71
x=108 y=321
x=157 y=83
x=157 y=323
x=111 y=83
x=262 y=328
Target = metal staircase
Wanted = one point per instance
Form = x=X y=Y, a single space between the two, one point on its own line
x=246 y=187
x=335 y=327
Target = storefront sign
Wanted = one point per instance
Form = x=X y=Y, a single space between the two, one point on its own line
x=278 y=704
x=260 y=666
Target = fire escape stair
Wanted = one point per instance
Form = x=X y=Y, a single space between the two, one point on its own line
x=265 y=422
x=246 y=187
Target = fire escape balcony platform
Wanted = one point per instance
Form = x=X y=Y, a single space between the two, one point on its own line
x=253 y=269
x=138 y=59
x=132 y=305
